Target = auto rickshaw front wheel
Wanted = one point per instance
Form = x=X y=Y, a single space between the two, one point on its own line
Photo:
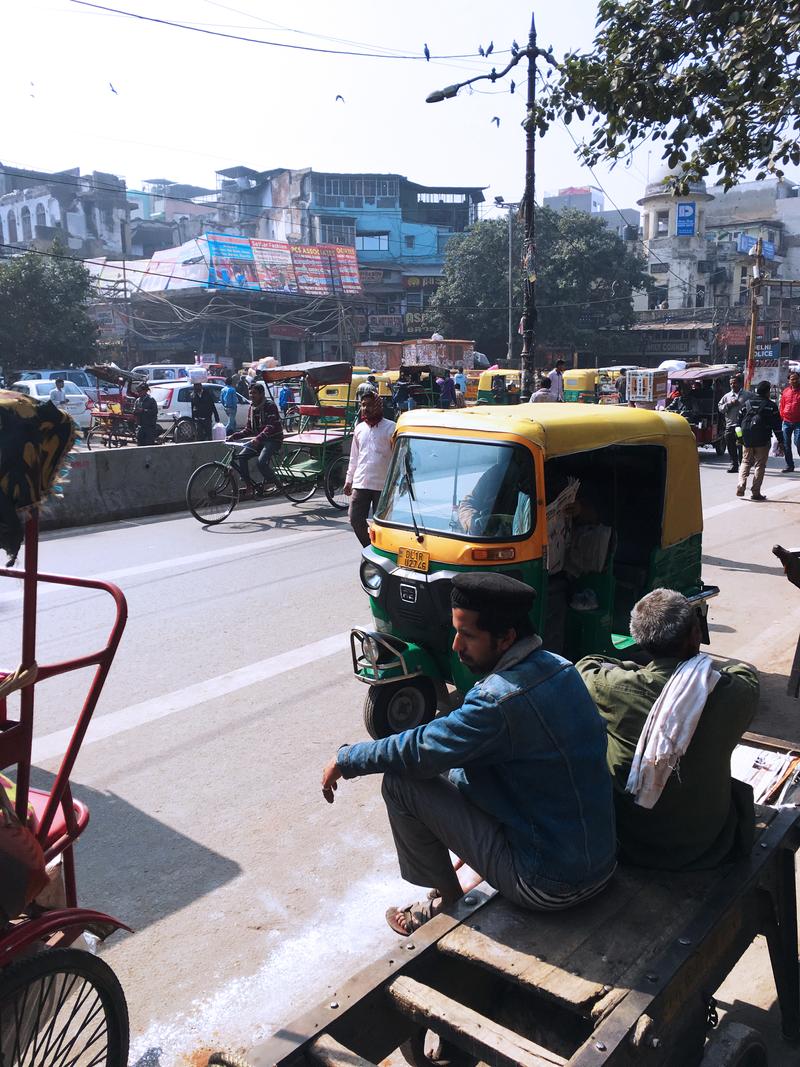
x=396 y=706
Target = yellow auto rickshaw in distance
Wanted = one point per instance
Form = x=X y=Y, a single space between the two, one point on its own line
x=344 y=395
x=499 y=387
x=580 y=386
x=592 y=506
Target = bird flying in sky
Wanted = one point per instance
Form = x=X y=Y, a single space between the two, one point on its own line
x=113 y=90
x=496 y=121
x=339 y=97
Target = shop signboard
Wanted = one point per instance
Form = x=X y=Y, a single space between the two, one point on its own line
x=686 y=219
x=745 y=244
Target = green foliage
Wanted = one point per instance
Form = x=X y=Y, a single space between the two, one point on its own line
x=44 y=320
x=714 y=83
x=585 y=279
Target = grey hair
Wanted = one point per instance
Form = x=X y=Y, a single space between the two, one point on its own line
x=660 y=620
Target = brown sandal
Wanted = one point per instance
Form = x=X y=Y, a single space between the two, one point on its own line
x=414 y=916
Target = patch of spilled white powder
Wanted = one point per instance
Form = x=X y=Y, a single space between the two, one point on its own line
x=347 y=933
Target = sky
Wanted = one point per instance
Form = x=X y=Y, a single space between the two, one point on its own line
x=101 y=91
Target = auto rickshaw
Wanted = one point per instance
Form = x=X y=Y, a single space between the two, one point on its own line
x=343 y=394
x=593 y=506
x=499 y=387
x=702 y=389
x=422 y=382
x=580 y=386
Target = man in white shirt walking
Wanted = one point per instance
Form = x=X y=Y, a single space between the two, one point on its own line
x=556 y=377
x=58 y=395
x=370 y=453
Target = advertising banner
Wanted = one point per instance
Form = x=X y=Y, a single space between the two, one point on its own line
x=347 y=267
x=310 y=269
x=232 y=262
x=745 y=244
x=274 y=267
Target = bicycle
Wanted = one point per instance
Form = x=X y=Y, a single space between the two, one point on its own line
x=214 y=489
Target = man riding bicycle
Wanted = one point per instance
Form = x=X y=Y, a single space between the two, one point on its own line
x=264 y=426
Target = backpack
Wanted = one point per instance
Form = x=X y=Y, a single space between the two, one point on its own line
x=755 y=420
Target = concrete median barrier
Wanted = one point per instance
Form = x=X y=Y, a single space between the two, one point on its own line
x=121 y=483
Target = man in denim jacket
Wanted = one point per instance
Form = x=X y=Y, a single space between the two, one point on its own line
x=528 y=800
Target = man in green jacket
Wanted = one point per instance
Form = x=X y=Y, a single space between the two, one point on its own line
x=703 y=817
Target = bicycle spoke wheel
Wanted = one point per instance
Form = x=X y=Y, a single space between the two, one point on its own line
x=184 y=430
x=335 y=477
x=212 y=493
x=62 y=1008
x=297 y=475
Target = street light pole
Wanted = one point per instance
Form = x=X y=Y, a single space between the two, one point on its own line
x=529 y=315
x=510 y=353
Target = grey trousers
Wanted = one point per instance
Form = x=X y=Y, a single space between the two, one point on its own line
x=429 y=818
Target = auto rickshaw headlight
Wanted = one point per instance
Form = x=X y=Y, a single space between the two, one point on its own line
x=370 y=649
x=371 y=577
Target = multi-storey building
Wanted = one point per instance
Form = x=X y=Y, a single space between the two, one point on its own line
x=87 y=213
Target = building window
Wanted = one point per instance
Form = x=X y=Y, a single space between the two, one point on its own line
x=337 y=231
x=372 y=242
x=41 y=217
x=409 y=241
x=657 y=298
x=441 y=198
x=662 y=223
x=27 y=233
x=413 y=300
x=364 y=187
x=12 y=228
x=700 y=297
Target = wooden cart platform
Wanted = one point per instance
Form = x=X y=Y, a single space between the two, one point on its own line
x=626 y=978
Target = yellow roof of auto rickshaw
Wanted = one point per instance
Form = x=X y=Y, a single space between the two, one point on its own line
x=503 y=372
x=558 y=429
x=566 y=429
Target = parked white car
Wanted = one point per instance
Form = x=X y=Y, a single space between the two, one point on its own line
x=77 y=404
x=173 y=399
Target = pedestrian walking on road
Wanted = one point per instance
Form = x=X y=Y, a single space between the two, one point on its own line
x=759 y=420
x=556 y=377
x=145 y=412
x=447 y=394
x=203 y=411
x=57 y=395
x=229 y=398
x=370 y=453
x=730 y=406
x=790 y=414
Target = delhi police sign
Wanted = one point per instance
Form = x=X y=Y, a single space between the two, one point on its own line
x=685 y=219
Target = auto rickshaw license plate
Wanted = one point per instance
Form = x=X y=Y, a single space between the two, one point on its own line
x=413 y=559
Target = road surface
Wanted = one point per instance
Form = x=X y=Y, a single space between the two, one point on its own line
x=251 y=897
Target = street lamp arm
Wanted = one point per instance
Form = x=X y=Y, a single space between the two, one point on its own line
x=450 y=91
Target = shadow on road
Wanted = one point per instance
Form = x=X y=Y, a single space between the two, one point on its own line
x=741 y=565
x=138 y=868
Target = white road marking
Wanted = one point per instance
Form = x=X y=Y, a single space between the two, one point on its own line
x=182 y=563
x=117 y=722
x=743 y=502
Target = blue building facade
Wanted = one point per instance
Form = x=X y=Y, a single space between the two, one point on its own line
x=400 y=231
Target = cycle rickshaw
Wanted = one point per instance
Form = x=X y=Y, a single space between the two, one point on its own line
x=58 y=1004
x=316 y=454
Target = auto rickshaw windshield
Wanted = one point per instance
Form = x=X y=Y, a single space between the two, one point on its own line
x=479 y=490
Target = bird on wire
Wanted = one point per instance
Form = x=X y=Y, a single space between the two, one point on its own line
x=490 y=49
x=512 y=86
x=496 y=121
x=514 y=48
x=427 y=52
x=480 y=50
x=339 y=97
x=113 y=90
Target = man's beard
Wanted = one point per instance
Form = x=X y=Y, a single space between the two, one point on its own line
x=372 y=418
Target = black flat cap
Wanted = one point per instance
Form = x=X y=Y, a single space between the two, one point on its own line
x=488 y=590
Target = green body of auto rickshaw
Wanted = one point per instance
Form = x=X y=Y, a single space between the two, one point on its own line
x=592 y=506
